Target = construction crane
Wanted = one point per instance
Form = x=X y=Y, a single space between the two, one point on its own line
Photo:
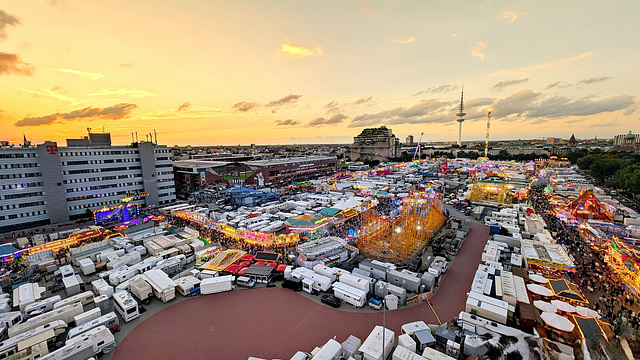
x=417 y=147
x=486 y=141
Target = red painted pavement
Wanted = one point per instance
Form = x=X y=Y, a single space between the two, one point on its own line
x=276 y=322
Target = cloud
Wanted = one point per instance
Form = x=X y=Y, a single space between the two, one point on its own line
x=295 y=51
x=287 y=122
x=512 y=15
x=478 y=102
x=403 y=41
x=594 y=80
x=477 y=49
x=184 y=106
x=438 y=89
x=12 y=64
x=84 y=74
x=545 y=65
x=557 y=84
x=363 y=100
x=505 y=84
x=114 y=112
x=423 y=112
x=6 y=20
x=245 y=106
x=608 y=124
x=334 y=120
x=287 y=100
x=54 y=93
x=559 y=106
x=136 y=93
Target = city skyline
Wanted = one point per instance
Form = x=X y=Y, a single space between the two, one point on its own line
x=207 y=73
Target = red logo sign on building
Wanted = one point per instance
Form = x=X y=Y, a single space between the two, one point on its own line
x=52 y=149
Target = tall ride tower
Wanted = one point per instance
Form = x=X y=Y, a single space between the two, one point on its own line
x=460 y=116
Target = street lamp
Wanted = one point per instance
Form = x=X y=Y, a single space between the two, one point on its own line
x=384 y=313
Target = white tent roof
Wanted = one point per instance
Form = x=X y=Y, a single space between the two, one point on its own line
x=539 y=289
x=538 y=278
x=563 y=306
x=557 y=321
x=545 y=306
x=586 y=312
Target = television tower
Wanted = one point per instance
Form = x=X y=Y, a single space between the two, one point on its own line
x=460 y=116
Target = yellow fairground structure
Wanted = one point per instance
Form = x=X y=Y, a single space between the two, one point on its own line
x=405 y=232
x=501 y=192
x=223 y=260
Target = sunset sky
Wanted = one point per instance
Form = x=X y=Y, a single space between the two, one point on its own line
x=205 y=72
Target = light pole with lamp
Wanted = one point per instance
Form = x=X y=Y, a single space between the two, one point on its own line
x=384 y=313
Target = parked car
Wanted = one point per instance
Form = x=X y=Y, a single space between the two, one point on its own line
x=331 y=300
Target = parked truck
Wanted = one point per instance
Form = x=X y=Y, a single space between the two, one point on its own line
x=216 y=284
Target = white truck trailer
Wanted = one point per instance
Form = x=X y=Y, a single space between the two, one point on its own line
x=163 y=287
x=216 y=284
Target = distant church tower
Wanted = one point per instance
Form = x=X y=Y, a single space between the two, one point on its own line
x=572 y=140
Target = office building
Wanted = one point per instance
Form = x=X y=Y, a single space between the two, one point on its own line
x=47 y=184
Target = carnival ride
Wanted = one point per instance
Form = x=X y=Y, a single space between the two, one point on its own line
x=624 y=262
x=587 y=206
x=403 y=233
x=121 y=214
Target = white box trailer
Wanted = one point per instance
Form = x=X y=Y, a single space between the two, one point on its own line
x=311 y=280
x=84 y=298
x=163 y=287
x=141 y=289
x=185 y=284
x=41 y=306
x=10 y=319
x=128 y=259
x=332 y=350
x=109 y=320
x=403 y=353
x=372 y=347
x=122 y=275
x=407 y=342
x=72 y=285
x=356 y=282
x=87 y=316
x=100 y=287
x=26 y=294
x=204 y=274
x=65 y=313
x=350 y=294
x=93 y=342
x=216 y=284
x=87 y=266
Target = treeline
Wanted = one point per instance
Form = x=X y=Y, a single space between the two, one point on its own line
x=620 y=170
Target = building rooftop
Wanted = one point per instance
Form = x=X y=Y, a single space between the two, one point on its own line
x=283 y=161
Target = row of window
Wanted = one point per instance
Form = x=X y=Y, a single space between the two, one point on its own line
x=22 y=215
x=100 y=187
x=165 y=172
x=164 y=165
x=18 y=166
x=98 y=153
x=84 y=197
x=87 y=171
x=23 y=205
x=20 y=186
x=165 y=187
x=18 y=196
x=18 y=176
x=14 y=156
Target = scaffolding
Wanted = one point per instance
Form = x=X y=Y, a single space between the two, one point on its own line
x=405 y=232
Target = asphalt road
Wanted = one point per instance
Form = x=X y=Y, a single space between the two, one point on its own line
x=276 y=322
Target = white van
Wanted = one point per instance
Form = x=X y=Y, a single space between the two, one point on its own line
x=245 y=281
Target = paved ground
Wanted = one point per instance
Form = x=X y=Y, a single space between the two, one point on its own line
x=275 y=322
